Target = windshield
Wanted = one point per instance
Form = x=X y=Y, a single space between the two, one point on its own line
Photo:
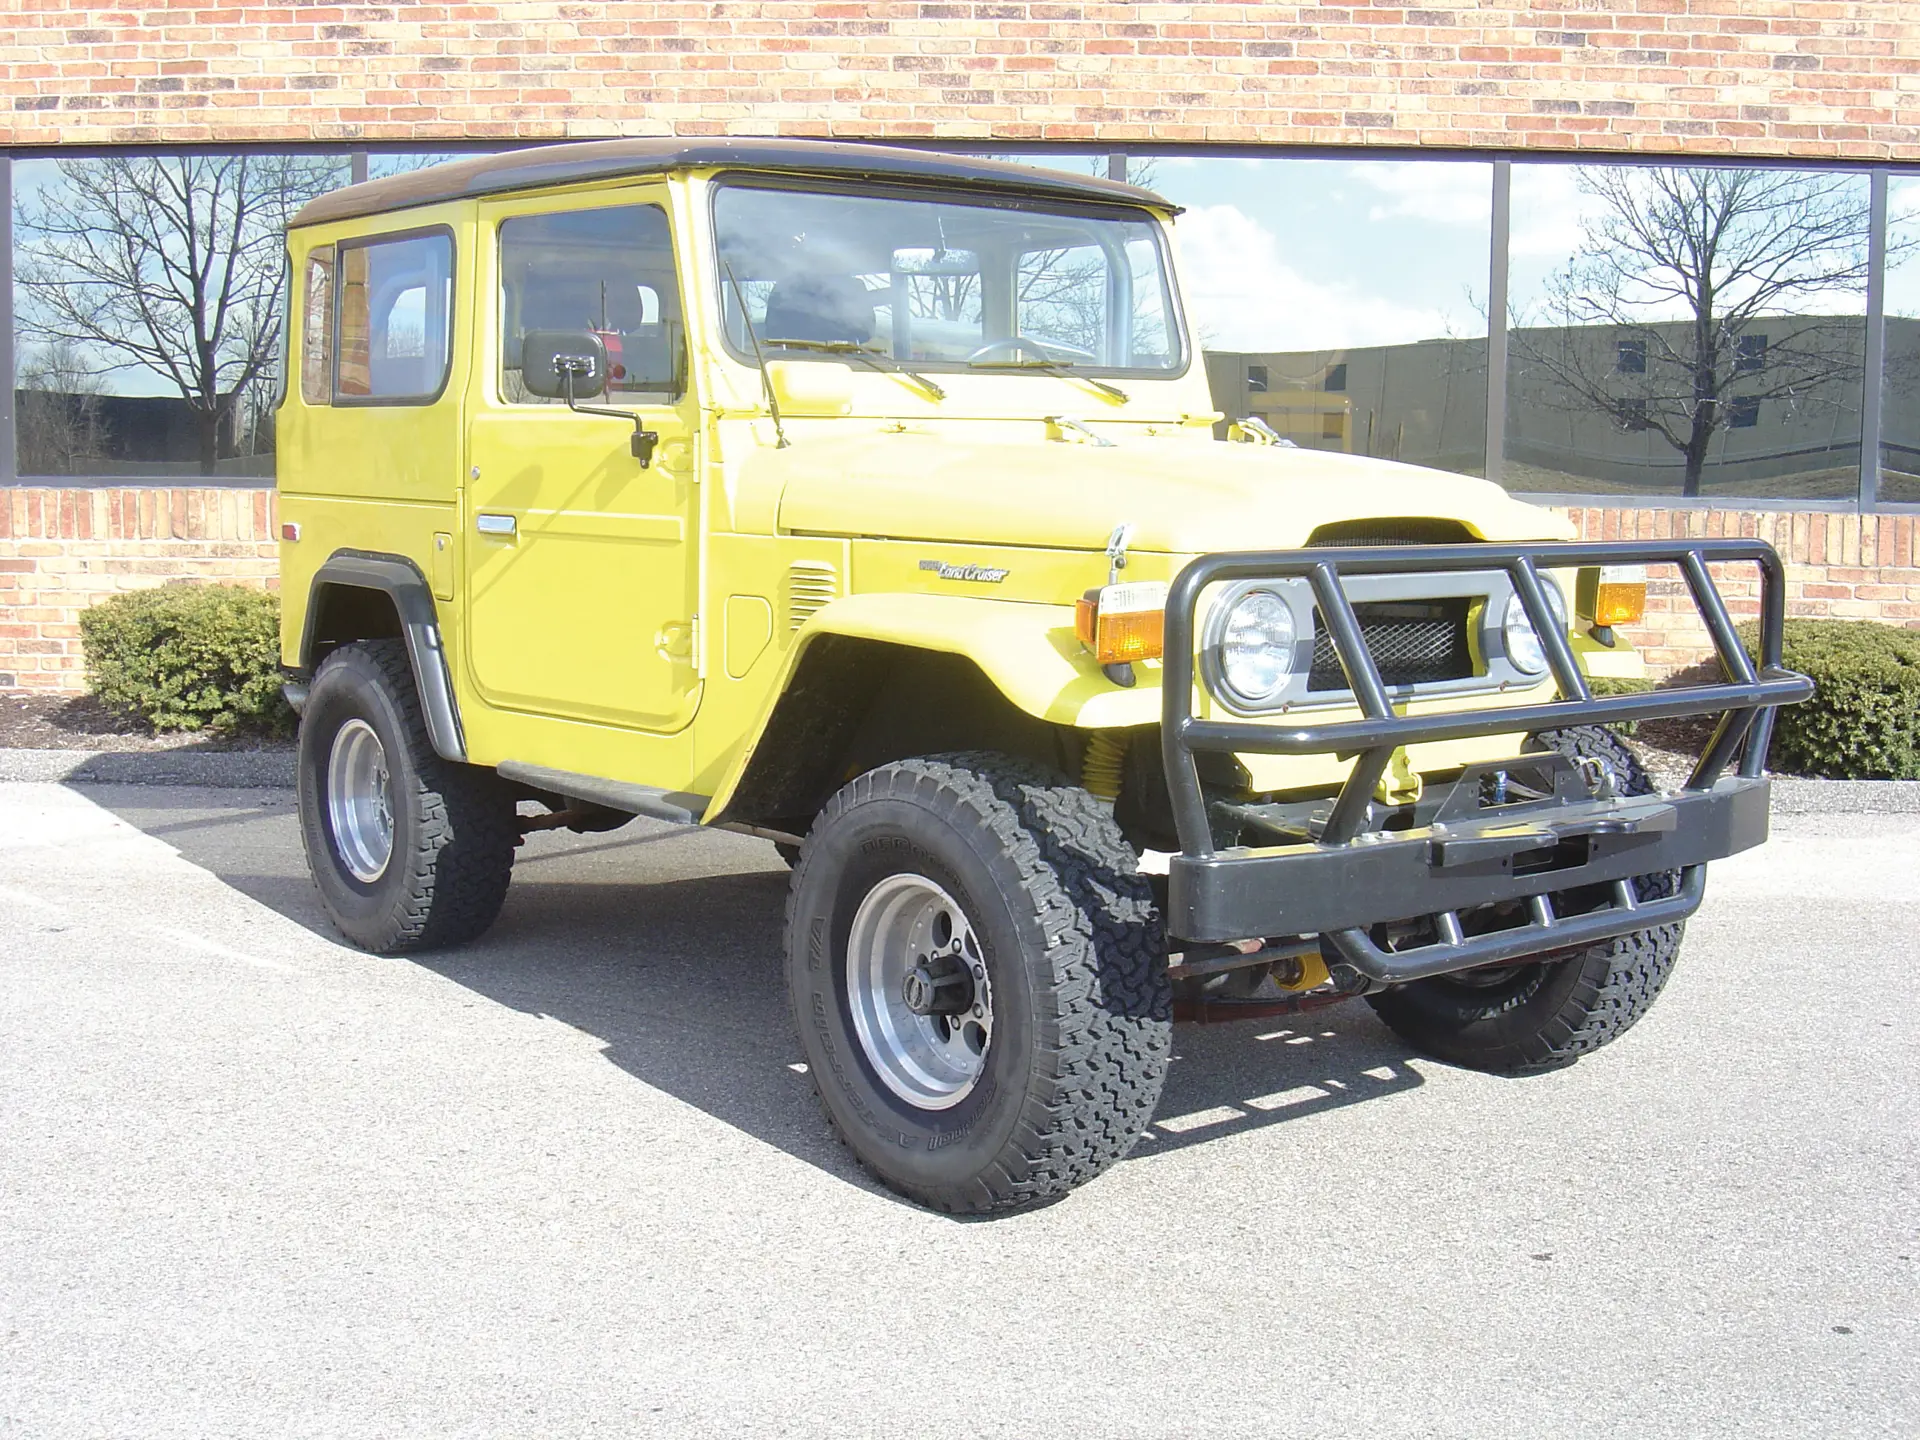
x=944 y=283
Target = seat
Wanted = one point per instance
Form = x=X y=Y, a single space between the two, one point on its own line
x=822 y=308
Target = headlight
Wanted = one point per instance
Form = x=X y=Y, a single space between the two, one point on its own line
x=1517 y=634
x=1256 y=647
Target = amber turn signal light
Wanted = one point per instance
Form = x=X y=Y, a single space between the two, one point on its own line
x=1612 y=594
x=1123 y=623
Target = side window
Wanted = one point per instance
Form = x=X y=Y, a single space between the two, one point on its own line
x=395 y=298
x=607 y=271
x=316 y=329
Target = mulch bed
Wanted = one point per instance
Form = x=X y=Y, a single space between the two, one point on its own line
x=67 y=722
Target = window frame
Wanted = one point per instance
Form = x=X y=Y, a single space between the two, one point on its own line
x=341 y=247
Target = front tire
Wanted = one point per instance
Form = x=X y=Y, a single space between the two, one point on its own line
x=1524 y=1019
x=409 y=851
x=979 y=980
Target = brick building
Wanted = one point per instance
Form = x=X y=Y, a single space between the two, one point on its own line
x=1362 y=181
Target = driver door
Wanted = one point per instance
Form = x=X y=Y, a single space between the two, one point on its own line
x=581 y=561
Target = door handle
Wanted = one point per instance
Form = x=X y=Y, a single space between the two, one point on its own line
x=495 y=524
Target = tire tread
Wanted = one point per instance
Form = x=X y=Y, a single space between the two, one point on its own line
x=1102 y=1057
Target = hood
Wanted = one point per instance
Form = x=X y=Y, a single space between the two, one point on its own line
x=1181 y=497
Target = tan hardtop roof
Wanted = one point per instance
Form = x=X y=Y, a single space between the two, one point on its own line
x=538 y=166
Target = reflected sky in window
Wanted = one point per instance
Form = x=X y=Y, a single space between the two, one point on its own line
x=1283 y=255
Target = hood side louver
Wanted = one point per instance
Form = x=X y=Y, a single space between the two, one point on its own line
x=810 y=585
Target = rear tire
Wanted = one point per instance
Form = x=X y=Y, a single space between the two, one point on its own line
x=409 y=851
x=1046 y=1029
x=1524 y=1019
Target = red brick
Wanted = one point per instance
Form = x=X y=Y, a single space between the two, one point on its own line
x=425 y=72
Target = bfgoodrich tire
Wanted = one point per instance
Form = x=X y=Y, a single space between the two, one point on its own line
x=1522 y=1019
x=409 y=851
x=979 y=980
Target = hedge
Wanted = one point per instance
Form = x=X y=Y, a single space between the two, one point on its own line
x=1602 y=685
x=189 y=657
x=1863 y=722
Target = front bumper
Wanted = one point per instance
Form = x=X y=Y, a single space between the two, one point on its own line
x=1523 y=853
x=1355 y=884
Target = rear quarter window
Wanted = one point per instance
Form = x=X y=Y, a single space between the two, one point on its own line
x=395 y=311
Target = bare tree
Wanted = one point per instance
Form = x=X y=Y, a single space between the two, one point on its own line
x=1654 y=315
x=170 y=265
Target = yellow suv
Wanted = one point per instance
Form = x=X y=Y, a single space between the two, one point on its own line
x=870 y=501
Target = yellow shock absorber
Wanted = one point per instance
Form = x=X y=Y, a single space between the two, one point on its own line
x=1100 y=764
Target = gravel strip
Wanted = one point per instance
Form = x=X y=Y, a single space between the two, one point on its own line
x=236 y=769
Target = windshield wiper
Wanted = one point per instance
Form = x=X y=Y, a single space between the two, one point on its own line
x=1063 y=368
x=872 y=359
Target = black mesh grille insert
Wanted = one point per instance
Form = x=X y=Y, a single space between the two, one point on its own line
x=1414 y=642
x=1392 y=530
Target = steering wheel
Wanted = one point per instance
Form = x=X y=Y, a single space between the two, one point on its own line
x=1013 y=345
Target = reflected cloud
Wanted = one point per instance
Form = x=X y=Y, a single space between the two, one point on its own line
x=1443 y=193
x=1248 y=297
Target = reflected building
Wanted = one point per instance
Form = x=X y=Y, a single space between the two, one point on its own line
x=1423 y=403
x=1590 y=408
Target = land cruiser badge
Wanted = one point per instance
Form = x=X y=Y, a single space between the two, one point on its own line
x=984 y=574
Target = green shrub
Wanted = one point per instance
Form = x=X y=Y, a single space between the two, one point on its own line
x=189 y=657
x=1863 y=722
x=1608 y=685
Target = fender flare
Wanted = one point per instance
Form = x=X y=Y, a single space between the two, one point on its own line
x=1025 y=650
x=400 y=580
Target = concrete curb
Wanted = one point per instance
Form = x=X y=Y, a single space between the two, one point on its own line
x=229 y=769
x=273 y=769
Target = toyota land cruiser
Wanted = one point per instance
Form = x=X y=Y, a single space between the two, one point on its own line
x=870 y=501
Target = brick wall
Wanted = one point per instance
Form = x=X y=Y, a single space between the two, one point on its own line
x=1755 y=77
x=1843 y=567
x=62 y=550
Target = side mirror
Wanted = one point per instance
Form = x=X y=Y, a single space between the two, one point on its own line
x=550 y=359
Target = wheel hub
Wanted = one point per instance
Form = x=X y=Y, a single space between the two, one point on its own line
x=918 y=991
x=359 y=807
x=938 y=987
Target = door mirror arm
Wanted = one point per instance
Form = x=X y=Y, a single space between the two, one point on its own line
x=570 y=366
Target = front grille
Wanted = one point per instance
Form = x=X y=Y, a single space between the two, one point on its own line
x=1413 y=642
x=1391 y=530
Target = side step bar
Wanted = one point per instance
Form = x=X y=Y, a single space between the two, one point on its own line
x=654 y=803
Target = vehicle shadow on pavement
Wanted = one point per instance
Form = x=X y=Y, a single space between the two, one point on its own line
x=678 y=976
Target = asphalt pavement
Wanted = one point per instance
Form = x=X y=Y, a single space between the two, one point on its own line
x=571 y=1181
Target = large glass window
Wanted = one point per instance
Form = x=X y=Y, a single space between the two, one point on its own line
x=1343 y=302
x=1900 y=393
x=381 y=165
x=1683 y=331
x=150 y=293
x=944 y=284
x=607 y=271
